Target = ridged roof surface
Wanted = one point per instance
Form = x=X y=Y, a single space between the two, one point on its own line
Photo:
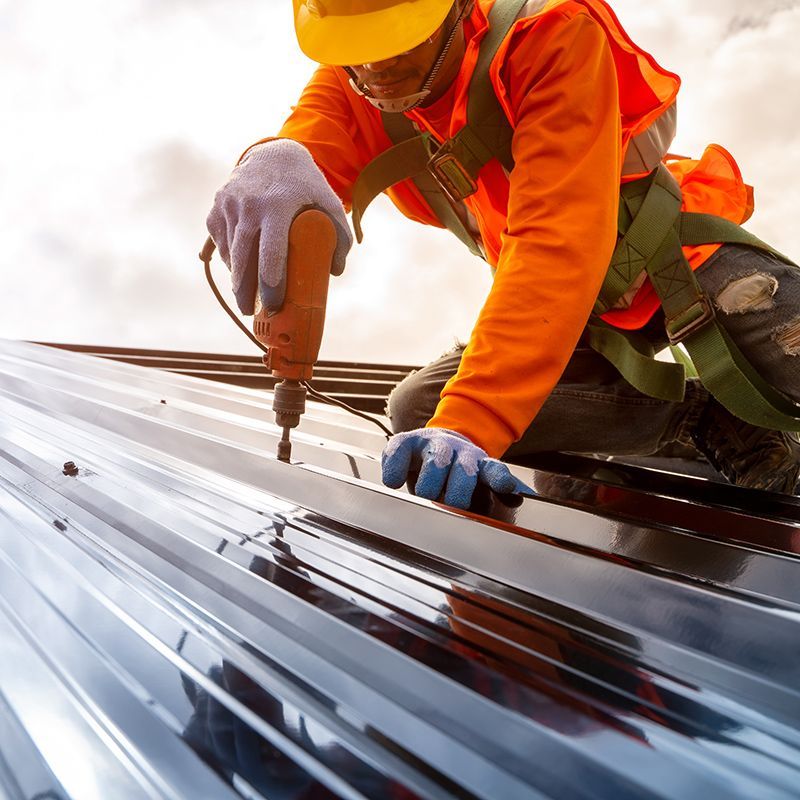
x=182 y=616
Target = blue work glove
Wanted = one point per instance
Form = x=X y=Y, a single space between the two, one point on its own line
x=447 y=463
x=254 y=210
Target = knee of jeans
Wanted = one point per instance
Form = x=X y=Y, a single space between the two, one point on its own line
x=749 y=293
x=405 y=404
x=754 y=293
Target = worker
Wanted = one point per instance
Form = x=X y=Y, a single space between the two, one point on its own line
x=531 y=118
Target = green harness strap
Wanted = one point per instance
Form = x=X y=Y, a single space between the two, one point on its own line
x=406 y=159
x=649 y=207
x=654 y=242
x=644 y=207
x=409 y=157
x=446 y=174
x=488 y=133
x=634 y=358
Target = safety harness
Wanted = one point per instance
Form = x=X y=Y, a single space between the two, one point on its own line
x=652 y=233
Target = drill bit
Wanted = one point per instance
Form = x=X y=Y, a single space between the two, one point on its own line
x=285 y=446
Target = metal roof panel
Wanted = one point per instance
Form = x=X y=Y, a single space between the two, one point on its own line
x=188 y=617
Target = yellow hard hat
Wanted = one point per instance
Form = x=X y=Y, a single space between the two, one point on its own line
x=345 y=32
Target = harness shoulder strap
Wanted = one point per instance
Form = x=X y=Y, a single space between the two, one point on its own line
x=449 y=172
x=401 y=129
x=488 y=130
x=408 y=158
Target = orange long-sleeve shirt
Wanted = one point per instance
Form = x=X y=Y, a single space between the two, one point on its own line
x=550 y=229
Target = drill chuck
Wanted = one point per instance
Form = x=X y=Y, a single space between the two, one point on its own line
x=289 y=403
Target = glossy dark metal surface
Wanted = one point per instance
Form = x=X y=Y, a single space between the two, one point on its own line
x=188 y=617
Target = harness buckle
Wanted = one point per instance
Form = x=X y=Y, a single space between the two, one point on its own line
x=451 y=174
x=690 y=320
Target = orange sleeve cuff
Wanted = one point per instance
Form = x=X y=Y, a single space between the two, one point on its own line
x=473 y=420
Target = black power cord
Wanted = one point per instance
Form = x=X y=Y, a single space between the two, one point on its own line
x=205 y=256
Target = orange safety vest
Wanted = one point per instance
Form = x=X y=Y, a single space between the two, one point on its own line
x=502 y=381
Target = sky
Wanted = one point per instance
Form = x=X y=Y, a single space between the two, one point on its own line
x=121 y=119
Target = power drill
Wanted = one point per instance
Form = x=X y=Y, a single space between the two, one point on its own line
x=291 y=336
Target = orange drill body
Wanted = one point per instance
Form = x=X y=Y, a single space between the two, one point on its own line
x=293 y=334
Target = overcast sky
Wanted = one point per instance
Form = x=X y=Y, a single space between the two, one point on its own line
x=120 y=120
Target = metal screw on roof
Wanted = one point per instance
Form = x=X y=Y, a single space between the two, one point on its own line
x=70 y=469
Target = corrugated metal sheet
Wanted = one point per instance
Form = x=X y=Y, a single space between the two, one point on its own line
x=362 y=385
x=186 y=617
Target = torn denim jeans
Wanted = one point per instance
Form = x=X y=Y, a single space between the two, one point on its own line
x=757 y=300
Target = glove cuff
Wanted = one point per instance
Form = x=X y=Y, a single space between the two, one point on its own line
x=270 y=148
x=452 y=433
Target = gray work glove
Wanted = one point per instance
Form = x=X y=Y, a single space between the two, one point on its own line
x=254 y=210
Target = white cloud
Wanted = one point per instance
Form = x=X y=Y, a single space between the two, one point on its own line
x=740 y=75
x=121 y=119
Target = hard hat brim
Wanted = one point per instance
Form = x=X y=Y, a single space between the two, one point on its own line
x=345 y=40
